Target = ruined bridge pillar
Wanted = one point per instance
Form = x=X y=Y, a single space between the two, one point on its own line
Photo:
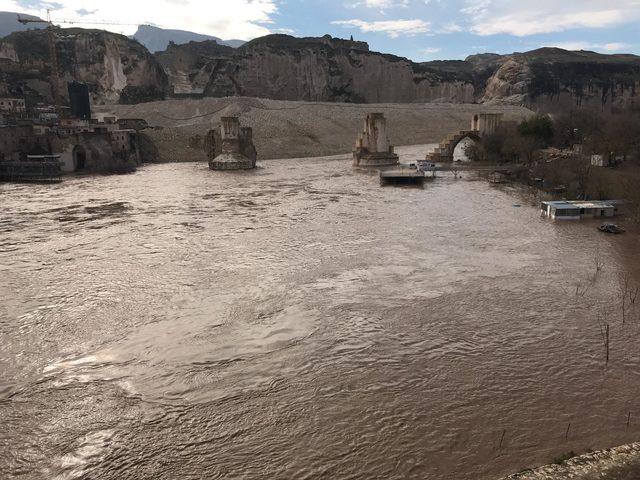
x=372 y=147
x=230 y=146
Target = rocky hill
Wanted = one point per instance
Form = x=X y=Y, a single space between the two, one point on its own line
x=311 y=69
x=325 y=69
x=328 y=69
x=552 y=79
x=116 y=68
x=157 y=39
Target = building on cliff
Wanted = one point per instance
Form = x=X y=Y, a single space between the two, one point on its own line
x=230 y=146
x=372 y=145
x=97 y=145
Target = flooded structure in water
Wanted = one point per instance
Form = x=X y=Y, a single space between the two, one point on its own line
x=372 y=147
x=579 y=209
x=230 y=146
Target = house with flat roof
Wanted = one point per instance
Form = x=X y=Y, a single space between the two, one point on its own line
x=578 y=209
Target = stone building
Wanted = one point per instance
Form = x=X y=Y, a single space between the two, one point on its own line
x=230 y=146
x=372 y=147
x=80 y=150
x=18 y=141
x=97 y=152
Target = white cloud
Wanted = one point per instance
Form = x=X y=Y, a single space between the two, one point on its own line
x=530 y=17
x=617 y=47
x=243 y=19
x=381 y=5
x=386 y=4
x=614 y=47
x=430 y=50
x=451 y=28
x=393 y=28
x=570 y=45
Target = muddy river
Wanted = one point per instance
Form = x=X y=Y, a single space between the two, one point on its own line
x=299 y=321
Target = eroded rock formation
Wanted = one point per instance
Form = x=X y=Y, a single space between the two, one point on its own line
x=116 y=68
x=330 y=69
x=324 y=69
x=313 y=69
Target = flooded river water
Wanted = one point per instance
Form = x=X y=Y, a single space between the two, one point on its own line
x=299 y=321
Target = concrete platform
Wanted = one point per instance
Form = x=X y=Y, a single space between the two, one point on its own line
x=401 y=176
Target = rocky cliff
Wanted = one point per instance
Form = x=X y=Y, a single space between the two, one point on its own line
x=311 y=69
x=116 y=68
x=329 y=69
x=552 y=79
x=281 y=67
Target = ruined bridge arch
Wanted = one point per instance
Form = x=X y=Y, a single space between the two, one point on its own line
x=444 y=151
x=474 y=136
x=481 y=124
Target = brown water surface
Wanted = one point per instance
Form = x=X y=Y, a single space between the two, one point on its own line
x=299 y=321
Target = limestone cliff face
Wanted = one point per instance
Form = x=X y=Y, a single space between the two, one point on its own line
x=312 y=69
x=116 y=68
x=328 y=69
x=551 y=79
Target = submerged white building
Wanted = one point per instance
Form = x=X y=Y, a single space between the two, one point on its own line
x=577 y=209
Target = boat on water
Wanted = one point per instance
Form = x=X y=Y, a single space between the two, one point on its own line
x=611 y=228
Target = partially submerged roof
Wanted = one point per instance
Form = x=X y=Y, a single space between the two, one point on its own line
x=562 y=204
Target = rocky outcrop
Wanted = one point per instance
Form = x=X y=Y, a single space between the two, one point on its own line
x=334 y=70
x=552 y=79
x=325 y=69
x=311 y=69
x=116 y=68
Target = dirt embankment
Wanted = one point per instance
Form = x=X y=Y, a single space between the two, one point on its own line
x=284 y=129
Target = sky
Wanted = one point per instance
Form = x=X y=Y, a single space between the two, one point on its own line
x=421 y=30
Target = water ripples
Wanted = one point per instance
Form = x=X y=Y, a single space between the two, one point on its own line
x=298 y=321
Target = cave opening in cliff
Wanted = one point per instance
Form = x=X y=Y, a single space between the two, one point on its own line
x=79 y=158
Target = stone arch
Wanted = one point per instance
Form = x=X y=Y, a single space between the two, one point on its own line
x=79 y=158
x=459 y=138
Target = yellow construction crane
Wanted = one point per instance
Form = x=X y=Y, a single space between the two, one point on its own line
x=53 y=55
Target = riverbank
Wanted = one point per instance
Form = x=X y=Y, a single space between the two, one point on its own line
x=287 y=129
x=619 y=463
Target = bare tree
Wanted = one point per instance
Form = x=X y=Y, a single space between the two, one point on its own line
x=623 y=293
x=604 y=332
x=598 y=263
